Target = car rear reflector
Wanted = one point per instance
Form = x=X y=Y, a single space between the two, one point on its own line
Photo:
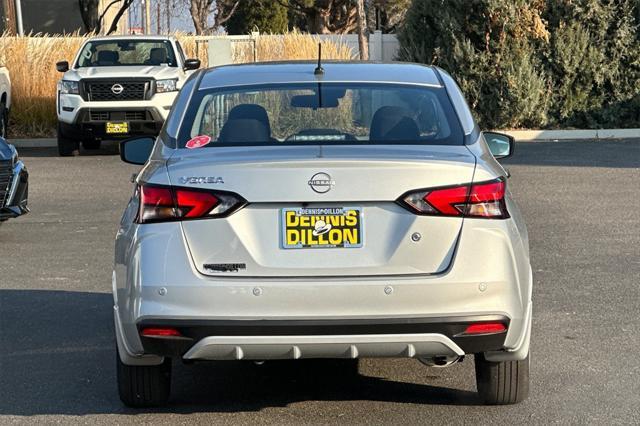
x=159 y=203
x=483 y=200
x=485 y=328
x=160 y=332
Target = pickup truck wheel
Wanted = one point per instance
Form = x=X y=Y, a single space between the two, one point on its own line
x=4 y=121
x=91 y=144
x=502 y=383
x=66 y=146
x=144 y=385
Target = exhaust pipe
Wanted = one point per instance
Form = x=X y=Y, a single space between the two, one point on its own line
x=441 y=361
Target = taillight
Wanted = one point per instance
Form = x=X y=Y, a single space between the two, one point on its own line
x=484 y=200
x=167 y=203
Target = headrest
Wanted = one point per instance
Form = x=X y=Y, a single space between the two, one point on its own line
x=251 y=111
x=393 y=123
x=243 y=130
x=158 y=55
x=107 y=57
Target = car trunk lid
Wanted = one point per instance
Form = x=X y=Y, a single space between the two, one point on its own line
x=362 y=179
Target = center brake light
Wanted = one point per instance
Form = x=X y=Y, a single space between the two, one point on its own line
x=161 y=203
x=481 y=200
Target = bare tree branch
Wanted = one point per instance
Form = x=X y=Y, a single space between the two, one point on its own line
x=221 y=20
x=114 y=24
x=104 y=12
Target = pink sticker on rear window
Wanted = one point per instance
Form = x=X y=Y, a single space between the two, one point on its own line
x=198 y=142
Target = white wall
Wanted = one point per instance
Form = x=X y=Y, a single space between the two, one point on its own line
x=382 y=47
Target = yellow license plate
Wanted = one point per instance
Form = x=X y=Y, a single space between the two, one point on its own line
x=117 y=128
x=327 y=227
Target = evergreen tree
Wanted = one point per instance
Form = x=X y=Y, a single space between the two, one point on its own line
x=594 y=58
x=531 y=63
x=266 y=16
x=486 y=45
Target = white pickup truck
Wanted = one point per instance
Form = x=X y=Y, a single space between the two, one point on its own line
x=5 y=100
x=118 y=87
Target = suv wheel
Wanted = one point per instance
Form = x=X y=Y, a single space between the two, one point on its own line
x=502 y=383
x=144 y=385
x=91 y=144
x=66 y=146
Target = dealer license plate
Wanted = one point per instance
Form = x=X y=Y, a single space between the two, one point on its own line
x=324 y=227
x=117 y=128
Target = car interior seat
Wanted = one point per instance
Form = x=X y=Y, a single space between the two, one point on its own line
x=256 y=119
x=108 y=57
x=157 y=56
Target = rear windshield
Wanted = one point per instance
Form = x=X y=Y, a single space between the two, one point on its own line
x=320 y=113
x=113 y=53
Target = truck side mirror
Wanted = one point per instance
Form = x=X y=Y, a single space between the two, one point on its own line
x=62 y=66
x=136 y=150
x=191 y=64
x=500 y=145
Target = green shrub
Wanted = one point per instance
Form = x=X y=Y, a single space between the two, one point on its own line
x=534 y=63
x=594 y=60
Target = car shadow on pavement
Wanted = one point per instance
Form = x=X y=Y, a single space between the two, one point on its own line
x=57 y=356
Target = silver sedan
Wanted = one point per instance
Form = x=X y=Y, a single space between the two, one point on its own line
x=289 y=211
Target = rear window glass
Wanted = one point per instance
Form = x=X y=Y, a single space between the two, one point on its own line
x=321 y=113
x=113 y=53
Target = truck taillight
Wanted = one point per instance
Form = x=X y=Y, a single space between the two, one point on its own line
x=483 y=200
x=159 y=203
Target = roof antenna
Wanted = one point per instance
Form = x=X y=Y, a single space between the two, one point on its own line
x=319 y=70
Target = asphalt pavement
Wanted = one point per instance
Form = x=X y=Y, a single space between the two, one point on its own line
x=581 y=201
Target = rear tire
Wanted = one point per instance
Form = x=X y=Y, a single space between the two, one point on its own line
x=144 y=385
x=91 y=144
x=502 y=383
x=66 y=146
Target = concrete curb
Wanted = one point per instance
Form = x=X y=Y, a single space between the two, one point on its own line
x=552 y=135
x=520 y=135
x=34 y=143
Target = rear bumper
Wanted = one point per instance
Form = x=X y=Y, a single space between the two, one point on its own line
x=272 y=339
x=156 y=283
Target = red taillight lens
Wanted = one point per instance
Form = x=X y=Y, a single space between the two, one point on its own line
x=166 y=203
x=160 y=332
x=486 y=328
x=195 y=203
x=484 y=199
x=447 y=200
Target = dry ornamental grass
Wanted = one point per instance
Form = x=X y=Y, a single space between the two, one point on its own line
x=31 y=63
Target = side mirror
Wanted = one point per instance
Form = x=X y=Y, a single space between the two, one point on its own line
x=191 y=64
x=136 y=150
x=500 y=145
x=62 y=66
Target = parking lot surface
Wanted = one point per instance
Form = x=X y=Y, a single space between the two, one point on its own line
x=581 y=202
